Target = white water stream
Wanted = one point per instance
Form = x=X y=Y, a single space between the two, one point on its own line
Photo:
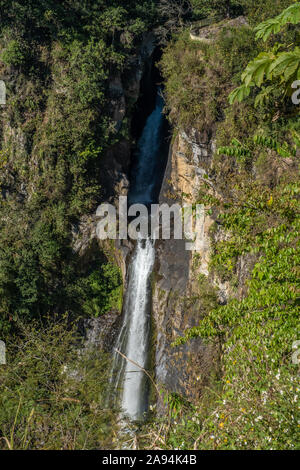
x=134 y=336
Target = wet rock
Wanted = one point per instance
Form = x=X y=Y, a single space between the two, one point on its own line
x=101 y=332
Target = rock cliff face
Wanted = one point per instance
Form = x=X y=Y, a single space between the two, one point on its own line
x=124 y=91
x=185 y=287
x=178 y=295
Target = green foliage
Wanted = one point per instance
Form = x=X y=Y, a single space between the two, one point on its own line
x=253 y=189
x=253 y=9
x=187 y=66
x=236 y=150
x=284 y=150
x=243 y=418
x=271 y=66
x=39 y=273
x=41 y=21
x=14 y=53
x=56 y=128
x=215 y=8
x=268 y=66
x=101 y=291
x=258 y=11
x=274 y=25
x=243 y=154
x=239 y=94
x=53 y=392
x=175 y=404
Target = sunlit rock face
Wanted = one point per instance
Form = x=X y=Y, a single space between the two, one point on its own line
x=176 y=305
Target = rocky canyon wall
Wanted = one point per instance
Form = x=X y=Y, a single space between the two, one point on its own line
x=182 y=278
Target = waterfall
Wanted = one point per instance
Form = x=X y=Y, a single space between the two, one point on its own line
x=134 y=337
x=145 y=175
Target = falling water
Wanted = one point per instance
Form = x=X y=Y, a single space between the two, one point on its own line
x=147 y=169
x=135 y=332
x=134 y=336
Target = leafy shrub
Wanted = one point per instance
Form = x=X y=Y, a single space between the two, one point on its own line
x=102 y=290
x=14 y=53
x=215 y=8
x=255 y=199
x=275 y=68
x=53 y=392
x=198 y=75
x=60 y=125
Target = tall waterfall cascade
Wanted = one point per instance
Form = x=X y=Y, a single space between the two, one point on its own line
x=134 y=337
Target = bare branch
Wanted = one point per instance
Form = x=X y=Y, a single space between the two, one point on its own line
x=143 y=370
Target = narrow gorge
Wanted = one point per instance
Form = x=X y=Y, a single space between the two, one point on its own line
x=134 y=338
x=115 y=336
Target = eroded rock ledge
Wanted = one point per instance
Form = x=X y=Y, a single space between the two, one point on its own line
x=207 y=34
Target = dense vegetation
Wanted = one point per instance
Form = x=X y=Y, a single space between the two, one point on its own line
x=53 y=392
x=255 y=199
x=58 y=59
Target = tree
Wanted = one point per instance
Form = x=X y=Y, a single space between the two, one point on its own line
x=275 y=69
x=173 y=14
